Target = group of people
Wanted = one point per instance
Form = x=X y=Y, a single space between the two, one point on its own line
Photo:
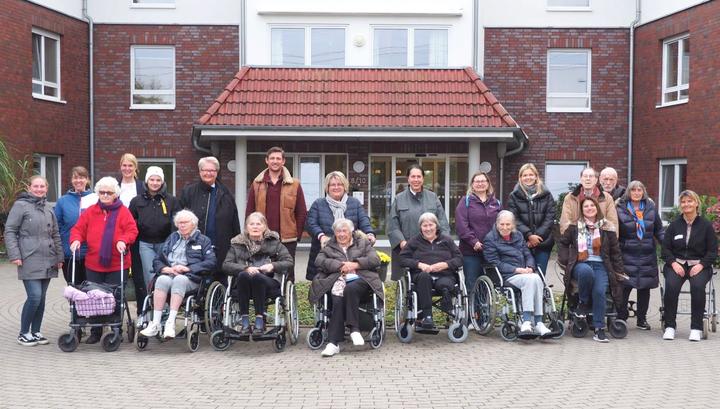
x=607 y=240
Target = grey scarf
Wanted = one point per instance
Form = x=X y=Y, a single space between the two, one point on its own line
x=337 y=207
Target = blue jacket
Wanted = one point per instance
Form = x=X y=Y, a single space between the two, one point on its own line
x=199 y=252
x=67 y=211
x=639 y=256
x=320 y=220
x=507 y=255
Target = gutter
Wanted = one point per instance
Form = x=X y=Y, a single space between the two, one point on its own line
x=638 y=10
x=504 y=153
x=91 y=29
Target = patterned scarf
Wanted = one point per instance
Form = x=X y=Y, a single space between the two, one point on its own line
x=588 y=237
x=106 y=245
x=337 y=207
x=638 y=215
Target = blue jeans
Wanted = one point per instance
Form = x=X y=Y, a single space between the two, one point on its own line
x=592 y=282
x=472 y=268
x=541 y=259
x=34 y=308
x=148 y=251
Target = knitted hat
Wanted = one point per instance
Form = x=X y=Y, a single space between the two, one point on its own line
x=154 y=171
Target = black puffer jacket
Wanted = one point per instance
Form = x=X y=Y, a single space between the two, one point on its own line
x=154 y=215
x=534 y=216
x=639 y=256
x=239 y=257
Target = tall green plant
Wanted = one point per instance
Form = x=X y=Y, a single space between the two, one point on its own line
x=13 y=174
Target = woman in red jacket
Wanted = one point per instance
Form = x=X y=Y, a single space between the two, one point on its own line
x=109 y=229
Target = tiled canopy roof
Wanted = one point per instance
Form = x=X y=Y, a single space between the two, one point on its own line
x=357 y=98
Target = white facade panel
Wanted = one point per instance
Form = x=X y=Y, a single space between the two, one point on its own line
x=190 y=12
x=72 y=8
x=656 y=9
x=536 y=14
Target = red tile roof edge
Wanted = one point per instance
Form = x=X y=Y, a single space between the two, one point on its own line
x=496 y=105
x=223 y=95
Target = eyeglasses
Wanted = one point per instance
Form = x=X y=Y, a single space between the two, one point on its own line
x=208 y=170
x=105 y=193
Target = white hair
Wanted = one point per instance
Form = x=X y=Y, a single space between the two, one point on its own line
x=209 y=159
x=609 y=171
x=186 y=214
x=339 y=223
x=107 y=182
x=505 y=214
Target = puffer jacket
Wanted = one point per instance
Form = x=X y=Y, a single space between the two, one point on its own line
x=239 y=257
x=67 y=211
x=639 y=255
x=609 y=252
x=331 y=258
x=534 y=216
x=154 y=215
x=198 y=251
x=473 y=220
x=320 y=220
x=507 y=255
x=32 y=235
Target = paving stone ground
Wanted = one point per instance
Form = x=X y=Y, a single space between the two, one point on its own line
x=641 y=371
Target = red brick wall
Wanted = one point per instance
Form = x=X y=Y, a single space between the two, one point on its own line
x=516 y=70
x=206 y=59
x=690 y=130
x=31 y=125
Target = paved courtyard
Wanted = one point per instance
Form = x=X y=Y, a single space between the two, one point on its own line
x=641 y=371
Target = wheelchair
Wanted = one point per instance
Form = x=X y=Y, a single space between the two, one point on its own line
x=285 y=322
x=406 y=310
x=372 y=321
x=194 y=312
x=580 y=326
x=710 y=316
x=496 y=302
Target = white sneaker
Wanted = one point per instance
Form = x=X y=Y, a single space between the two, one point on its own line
x=330 y=350
x=669 y=334
x=151 y=330
x=169 y=332
x=541 y=329
x=526 y=327
x=695 y=335
x=470 y=326
x=357 y=339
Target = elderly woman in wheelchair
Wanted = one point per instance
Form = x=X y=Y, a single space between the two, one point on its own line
x=506 y=249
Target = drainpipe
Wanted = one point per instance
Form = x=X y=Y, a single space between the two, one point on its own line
x=91 y=25
x=638 y=8
x=502 y=154
x=196 y=143
x=476 y=32
x=243 y=31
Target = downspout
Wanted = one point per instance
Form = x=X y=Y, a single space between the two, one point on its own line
x=196 y=144
x=476 y=32
x=243 y=31
x=502 y=154
x=638 y=8
x=91 y=29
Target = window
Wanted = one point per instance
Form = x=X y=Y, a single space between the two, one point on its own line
x=45 y=65
x=391 y=47
x=568 y=4
x=676 y=70
x=568 y=81
x=48 y=166
x=152 y=77
x=672 y=181
x=327 y=46
x=562 y=176
x=168 y=167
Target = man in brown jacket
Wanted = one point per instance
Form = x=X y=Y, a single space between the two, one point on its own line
x=588 y=187
x=279 y=196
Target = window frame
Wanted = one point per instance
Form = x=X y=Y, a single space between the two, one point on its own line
x=43 y=83
x=583 y=163
x=134 y=92
x=307 y=42
x=549 y=95
x=664 y=89
x=42 y=158
x=676 y=163
x=548 y=7
x=410 y=46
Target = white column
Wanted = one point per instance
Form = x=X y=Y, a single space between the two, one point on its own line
x=241 y=187
x=473 y=156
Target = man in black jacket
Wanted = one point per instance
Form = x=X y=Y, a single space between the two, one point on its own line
x=215 y=208
x=609 y=183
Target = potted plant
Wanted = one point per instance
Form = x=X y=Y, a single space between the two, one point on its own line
x=384 y=262
x=13 y=173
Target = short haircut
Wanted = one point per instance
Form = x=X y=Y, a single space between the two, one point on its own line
x=691 y=194
x=490 y=190
x=107 y=182
x=275 y=149
x=80 y=171
x=256 y=215
x=599 y=215
x=633 y=185
x=590 y=168
x=609 y=170
x=414 y=166
x=129 y=157
x=209 y=159
x=428 y=217
x=505 y=214
x=336 y=175
x=186 y=214
x=339 y=223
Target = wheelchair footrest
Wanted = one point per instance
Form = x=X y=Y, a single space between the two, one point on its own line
x=433 y=331
x=527 y=336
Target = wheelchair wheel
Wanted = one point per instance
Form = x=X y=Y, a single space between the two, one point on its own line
x=706 y=328
x=280 y=341
x=713 y=323
x=141 y=341
x=315 y=338
x=509 y=331
x=376 y=337
x=579 y=328
x=111 y=341
x=483 y=305
x=193 y=338
x=131 y=332
x=219 y=341
x=68 y=342
x=405 y=332
x=400 y=307
x=292 y=319
x=618 y=328
x=214 y=303
x=458 y=332
x=557 y=326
